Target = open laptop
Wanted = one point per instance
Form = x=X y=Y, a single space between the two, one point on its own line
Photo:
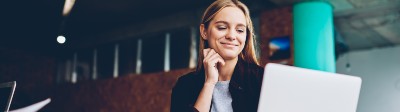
x=6 y=95
x=292 y=89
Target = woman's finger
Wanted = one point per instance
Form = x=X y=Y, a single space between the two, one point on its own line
x=218 y=57
x=209 y=54
x=206 y=51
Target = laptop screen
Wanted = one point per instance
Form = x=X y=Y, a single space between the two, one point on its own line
x=4 y=97
x=6 y=94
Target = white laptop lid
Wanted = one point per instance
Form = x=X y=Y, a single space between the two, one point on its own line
x=292 y=89
x=6 y=94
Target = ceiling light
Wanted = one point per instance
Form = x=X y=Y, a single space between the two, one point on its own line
x=68 y=6
x=61 y=39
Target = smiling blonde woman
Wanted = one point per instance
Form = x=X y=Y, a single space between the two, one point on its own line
x=228 y=77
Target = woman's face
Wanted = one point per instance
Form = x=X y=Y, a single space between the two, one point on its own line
x=226 y=33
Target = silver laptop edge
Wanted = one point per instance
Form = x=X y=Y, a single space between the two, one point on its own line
x=12 y=85
x=281 y=81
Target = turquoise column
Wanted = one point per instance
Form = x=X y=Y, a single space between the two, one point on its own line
x=313 y=36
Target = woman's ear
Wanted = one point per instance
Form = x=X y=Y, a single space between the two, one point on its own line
x=203 y=32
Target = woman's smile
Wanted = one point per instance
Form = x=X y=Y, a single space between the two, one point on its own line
x=229 y=45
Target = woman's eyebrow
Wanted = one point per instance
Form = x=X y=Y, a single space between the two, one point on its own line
x=224 y=22
x=241 y=25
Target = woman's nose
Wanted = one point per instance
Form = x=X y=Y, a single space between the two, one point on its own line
x=231 y=35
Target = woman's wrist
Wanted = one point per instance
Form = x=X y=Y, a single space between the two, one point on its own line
x=210 y=83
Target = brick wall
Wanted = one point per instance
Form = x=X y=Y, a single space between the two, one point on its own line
x=135 y=93
x=275 y=23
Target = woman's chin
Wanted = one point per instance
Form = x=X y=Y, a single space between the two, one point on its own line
x=229 y=56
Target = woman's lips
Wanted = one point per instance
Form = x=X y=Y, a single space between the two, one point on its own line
x=229 y=44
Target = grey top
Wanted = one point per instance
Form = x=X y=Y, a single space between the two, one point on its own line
x=221 y=98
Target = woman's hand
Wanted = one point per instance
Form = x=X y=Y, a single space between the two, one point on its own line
x=211 y=61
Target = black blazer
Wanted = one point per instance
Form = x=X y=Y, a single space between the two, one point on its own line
x=245 y=86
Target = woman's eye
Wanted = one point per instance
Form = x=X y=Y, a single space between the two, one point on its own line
x=240 y=30
x=221 y=28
